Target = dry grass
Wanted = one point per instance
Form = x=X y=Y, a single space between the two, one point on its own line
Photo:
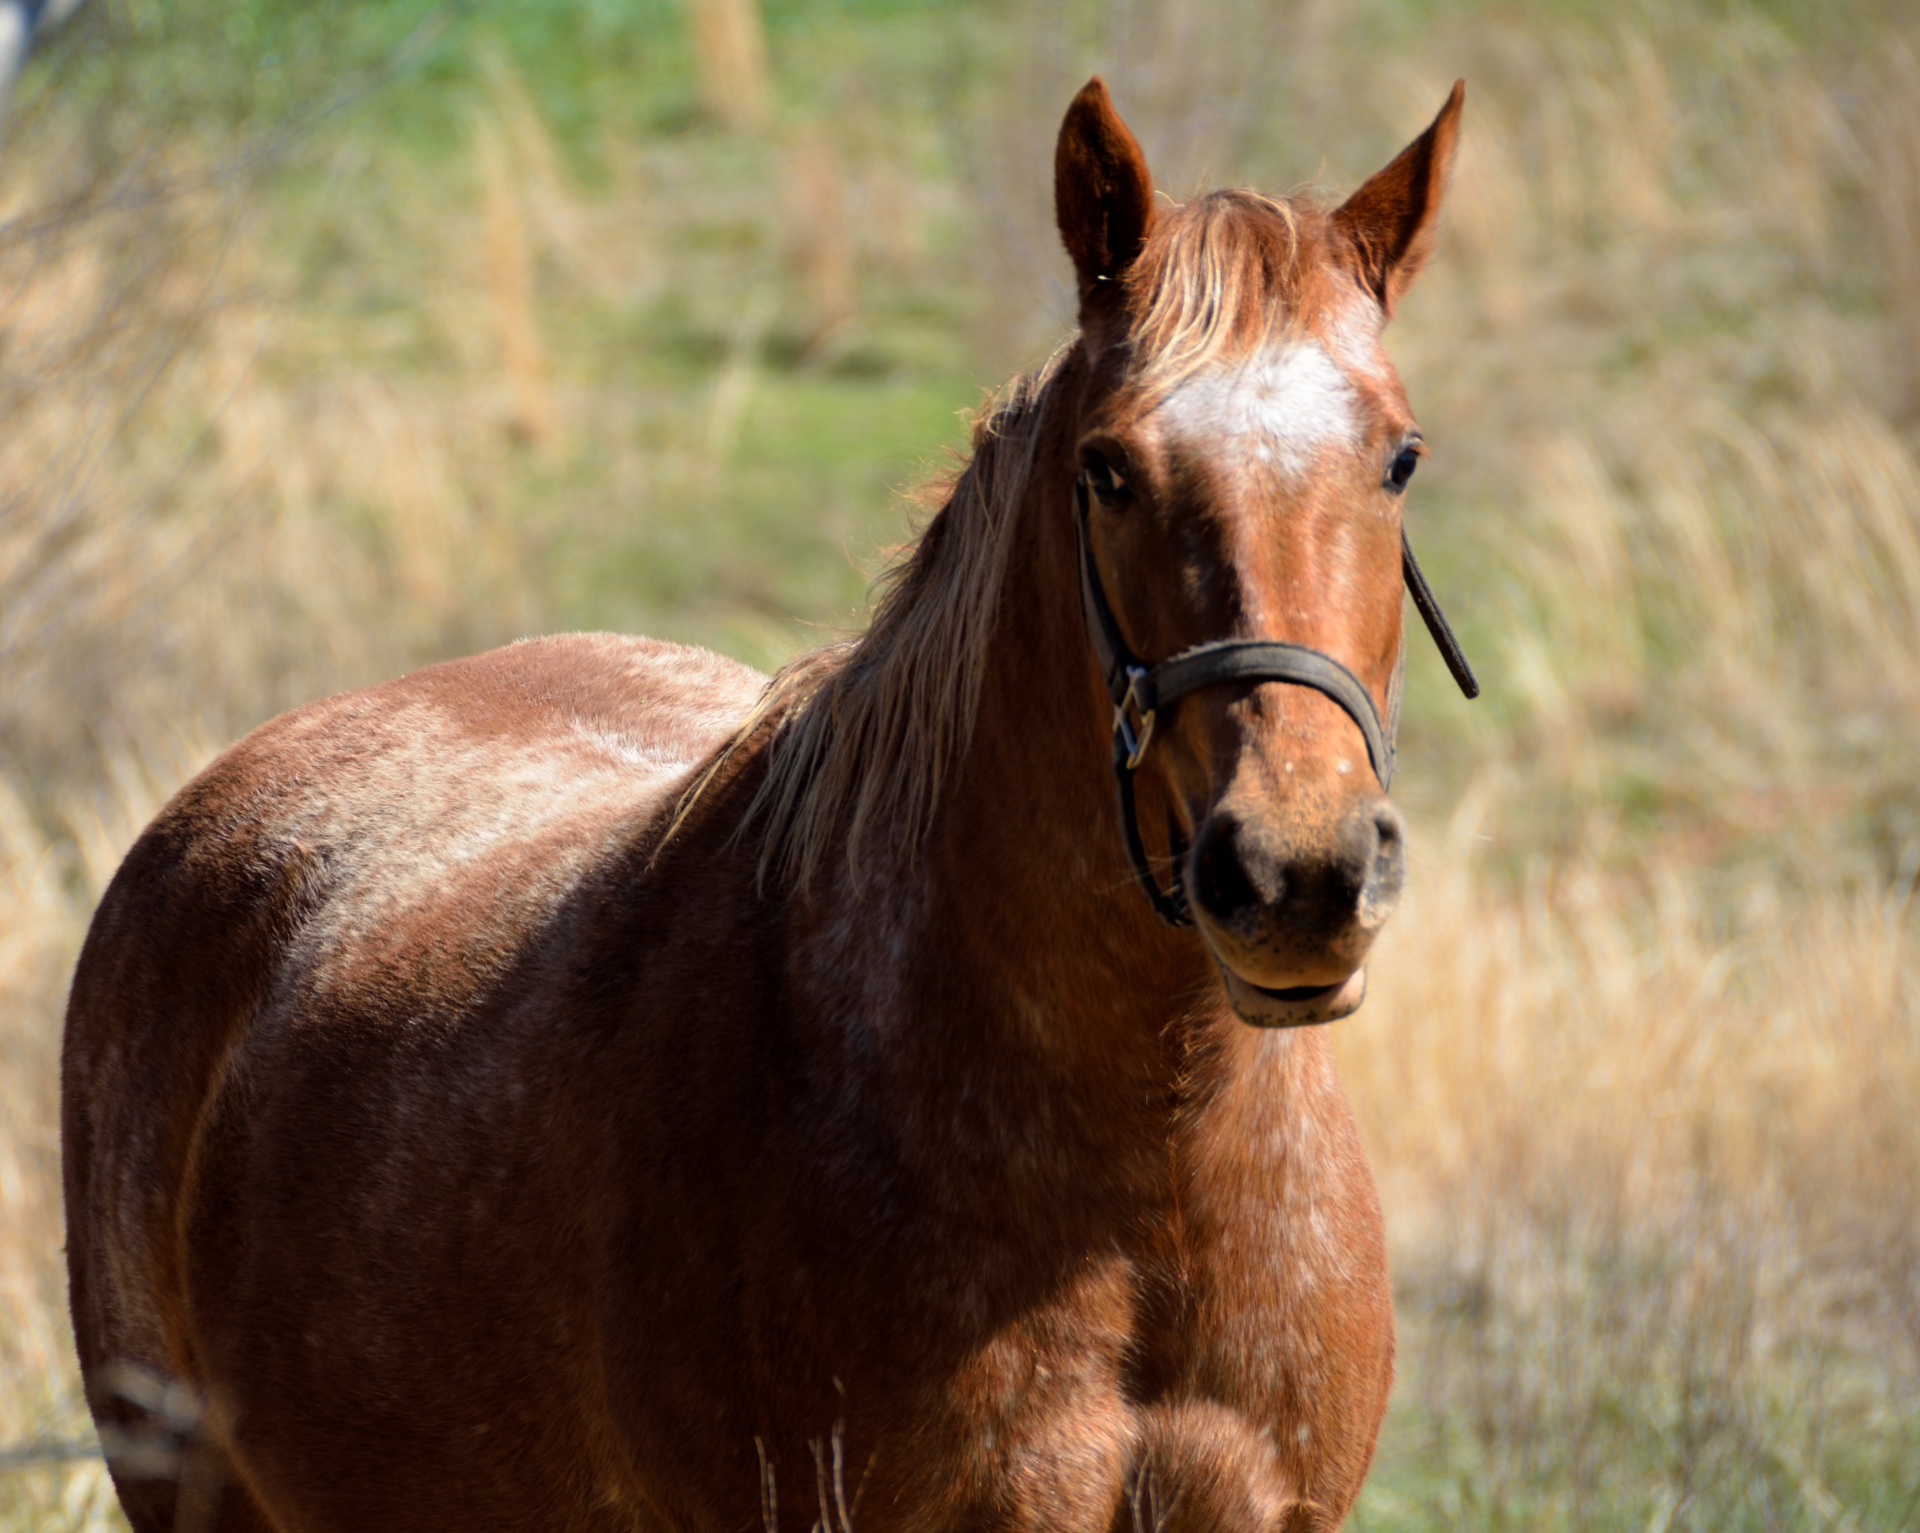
x=1639 y=1069
x=1650 y=1178
x=822 y=236
x=177 y=459
x=731 y=49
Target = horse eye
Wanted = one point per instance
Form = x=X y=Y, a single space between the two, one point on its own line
x=1105 y=480
x=1401 y=470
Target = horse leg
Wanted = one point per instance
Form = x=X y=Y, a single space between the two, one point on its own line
x=1202 y=1468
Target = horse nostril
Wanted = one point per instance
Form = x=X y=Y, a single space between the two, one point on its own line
x=1390 y=831
x=1220 y=881
x=1387 y=866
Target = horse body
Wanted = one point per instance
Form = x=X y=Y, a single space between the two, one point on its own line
x=308 y=1025
x=775 y=1205
x=466 y=1101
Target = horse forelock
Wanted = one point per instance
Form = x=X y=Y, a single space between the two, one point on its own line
x=1221 y=278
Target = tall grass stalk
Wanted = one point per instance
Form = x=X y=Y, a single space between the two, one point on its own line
x=730 y=47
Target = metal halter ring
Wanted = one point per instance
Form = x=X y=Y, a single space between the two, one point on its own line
x=1134 y=745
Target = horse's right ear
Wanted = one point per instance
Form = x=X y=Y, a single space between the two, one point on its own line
x=1102 y=194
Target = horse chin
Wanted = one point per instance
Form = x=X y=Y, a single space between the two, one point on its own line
x=1300 y=1006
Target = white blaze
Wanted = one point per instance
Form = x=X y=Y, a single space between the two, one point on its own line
x=1353 y=331
x=1282 y=405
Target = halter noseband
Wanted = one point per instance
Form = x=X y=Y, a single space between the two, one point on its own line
x=1139 y=691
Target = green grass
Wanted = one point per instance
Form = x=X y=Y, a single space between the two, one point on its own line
x=714 y=553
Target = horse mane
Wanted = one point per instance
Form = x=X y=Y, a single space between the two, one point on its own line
x=1220 y=277
x=861 y=734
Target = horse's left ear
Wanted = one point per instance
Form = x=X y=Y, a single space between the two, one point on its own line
x=1391 y=221
x=1102 y=194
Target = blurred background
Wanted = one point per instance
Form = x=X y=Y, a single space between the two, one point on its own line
x=336 y=340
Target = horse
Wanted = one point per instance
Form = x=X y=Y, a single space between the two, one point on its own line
x=589 y=1086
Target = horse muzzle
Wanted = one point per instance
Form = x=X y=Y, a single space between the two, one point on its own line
x=1290 y=917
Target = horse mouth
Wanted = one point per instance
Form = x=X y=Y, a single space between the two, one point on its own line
x=1293 y=1005
x=1299 y=992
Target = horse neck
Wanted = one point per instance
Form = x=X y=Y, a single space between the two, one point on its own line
x=1010 y=991
x=1032 y=877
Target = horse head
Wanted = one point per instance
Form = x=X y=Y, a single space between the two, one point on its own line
x=1243 y=451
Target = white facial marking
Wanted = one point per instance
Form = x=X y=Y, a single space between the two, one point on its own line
x=1283 y=405
x=1353 y=335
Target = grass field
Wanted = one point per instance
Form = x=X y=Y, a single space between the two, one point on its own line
x=332 y=346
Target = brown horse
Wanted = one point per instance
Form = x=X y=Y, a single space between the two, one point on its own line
x=588 y=1087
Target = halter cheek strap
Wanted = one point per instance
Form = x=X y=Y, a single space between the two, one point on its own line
x=1140 y=691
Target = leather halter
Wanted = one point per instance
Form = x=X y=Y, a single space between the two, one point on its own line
x=1140 y=691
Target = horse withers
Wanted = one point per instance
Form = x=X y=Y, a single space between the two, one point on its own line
x=590 y=1087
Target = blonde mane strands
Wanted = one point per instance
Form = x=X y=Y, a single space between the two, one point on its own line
x=1216 y=282
x=865 y=732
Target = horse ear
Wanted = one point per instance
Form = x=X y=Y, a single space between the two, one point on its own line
x=1390 y=222
x=1102 y=194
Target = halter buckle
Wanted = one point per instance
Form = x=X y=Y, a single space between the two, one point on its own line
x=1134 y=745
